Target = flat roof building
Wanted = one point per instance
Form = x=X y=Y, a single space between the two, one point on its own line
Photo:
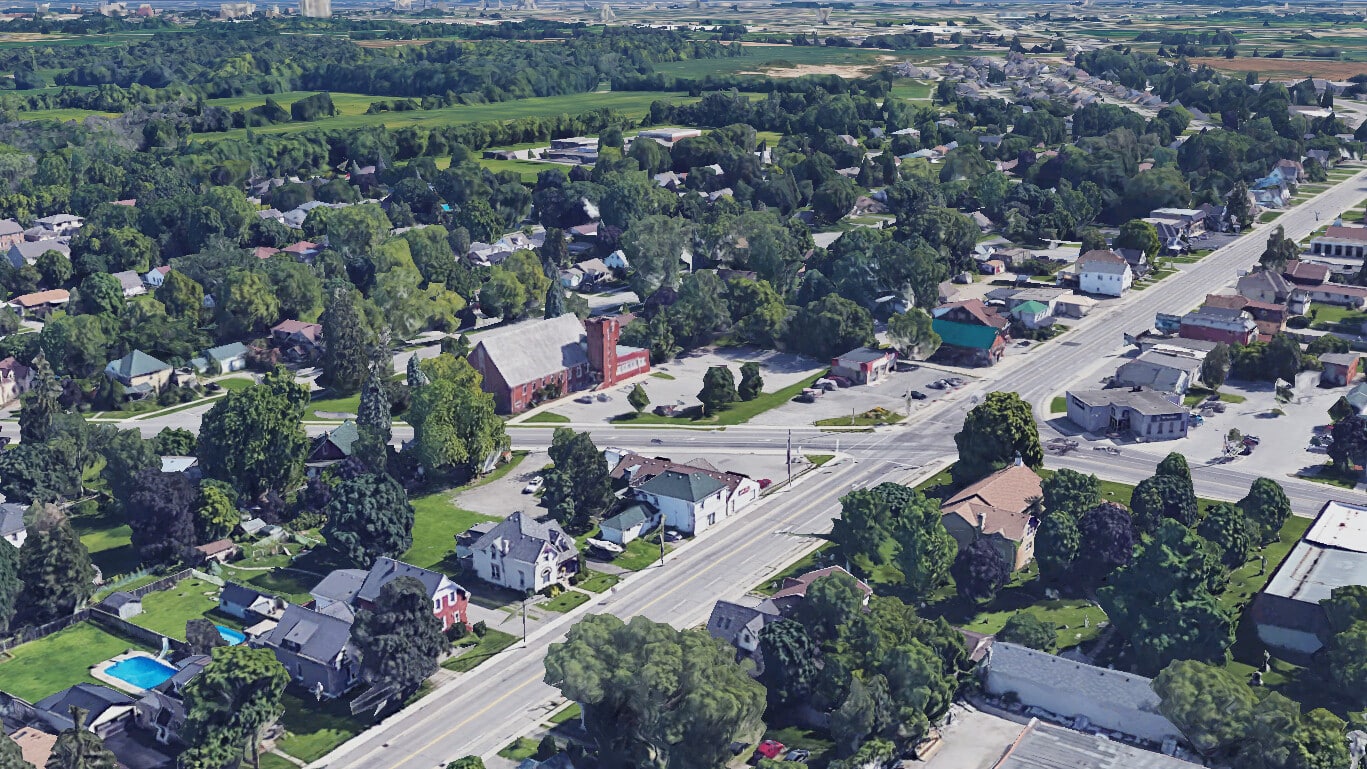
x=1141 y=413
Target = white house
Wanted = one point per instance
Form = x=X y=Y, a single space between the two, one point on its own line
x=62 y=224
x=629 y=524
x=689 y=502
x=616 y=260
x=524 y=554
x=131 y=283
x=155 y=276
x=1104 y=272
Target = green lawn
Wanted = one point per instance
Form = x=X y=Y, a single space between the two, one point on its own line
x=629 y=103
x=291 y=584
x=272 y=761
x=735 y=414
x=436 y=522
x=662 y=375
x=1058 y=405
x=493 y=642
x=546 y=418
x=598 y=582
x=566 y=714
x=1325 y=316
x=321 y=402
x=235 y=384
x=522 y=749
x=315 y=728
x=1245 y=582
x=566 y=601
x=166 y=611
x=529 y=170
x=107 y=537
x=818 y=460
x=1197 y=394
x=1330 y=475
x=641 y=553
x=36 y=669
x=876 y=416
x=821 y=746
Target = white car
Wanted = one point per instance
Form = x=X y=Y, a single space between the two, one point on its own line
x=534 y=485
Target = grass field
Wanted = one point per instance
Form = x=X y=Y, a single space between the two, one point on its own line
x=109 y=540
x=315 y=728
x=493 y=642
x=876 y=416
x=36 y=669
x=632 y=103
x=166 y=611
x=598 y=581
x=566 y=601
x=436 y=522
x=546 y=418
x=776 y=58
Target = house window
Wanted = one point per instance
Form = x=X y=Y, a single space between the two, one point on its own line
x=495 y=572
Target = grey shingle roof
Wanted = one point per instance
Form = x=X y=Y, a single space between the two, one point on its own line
x=387 y=570
x=529 y=351
x=526 y=536
x=91 y=698
x=340 y=585
x=11 y=519
x=692 y=487
x=309 y=634
x=728 y=619
x=1118 y=690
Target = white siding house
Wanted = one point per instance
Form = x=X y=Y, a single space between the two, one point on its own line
x=1104 y=272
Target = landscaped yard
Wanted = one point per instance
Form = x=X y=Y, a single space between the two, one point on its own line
x=479 y=649
x=546 y=418
x=1058 y=405
x=820 y=745
x=566 y=601
x=36 y=669
x=818 y=460
x=1331 y=475
x=875 y=416
x=641 y=553
x=524 y=748
x=315 y=728
x=166 y=611
x=1197 y=394
x=598 y=582
x=566 y=714
x=107 y=537
x=1325 y=316
x=291 y=584
x=436 y=522
x=332 y=407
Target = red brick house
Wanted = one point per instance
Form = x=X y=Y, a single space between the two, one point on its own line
x=352 y=589
x=532 y=362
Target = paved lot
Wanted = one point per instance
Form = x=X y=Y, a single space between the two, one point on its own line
x=686 y=374
x=889 y=393
x=504 y=496
x=1285 y=447
x=975 y=740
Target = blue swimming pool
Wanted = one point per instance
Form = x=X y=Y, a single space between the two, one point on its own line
x=142 y=672
x=233 y=637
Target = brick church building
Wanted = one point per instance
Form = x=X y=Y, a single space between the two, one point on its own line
x=529 y=363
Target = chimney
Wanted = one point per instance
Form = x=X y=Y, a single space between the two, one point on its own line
x=1017 y=460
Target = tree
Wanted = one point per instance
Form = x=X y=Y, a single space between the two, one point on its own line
x=980 y=571
x=830 y=326
x=502 y=295
x=1208 y=703
x=578 y=487
x=1239 y=206
x=865 y=712
x=246 y=304
x=252 y=438
x=182 y=296
x=55 y=268
x=374 y=423
x=230 y=704
x=718 y=390
x=638 y=397
x=400 y=639
x=1141 y=236
x=11 y=585
x=911 y=333
x=1348 y=662
x=1160 y=497
x=1215 y=367
x=1092 y=240
x=1345 y=607
x=56 y=569
x=39 y=406
x=751 y=382
x=1282 y=359
x=546 y=748
x=455 y=427
x=1056 y=545
x=468 y=762
x=791 y=662
x=12 y=756
x=1163 y=600
x=174 y=442
x=160 y=514
x=1070 y=492
x=555 y=301
x=1107 y=536
x=925 y=550
x=1280 y=249
x=345 y=354
x=101 y=294
x=215 y=511
x=1028 y=630
x=202 y=635
x=1349 y=447
x=1226 y=528
x=865 y=524
x=833 y=200
x=368 y=516
x=700 y=310
x=683 y=691
x=653 y=246
x=996 y=431
x=838 y=599
x=79 y=747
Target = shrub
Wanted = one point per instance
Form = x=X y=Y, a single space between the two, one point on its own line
x=480 y=629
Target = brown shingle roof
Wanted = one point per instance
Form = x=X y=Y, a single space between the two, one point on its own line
x=38 y=298
x=1346 y=233
x=999 y=503
x=797 y=586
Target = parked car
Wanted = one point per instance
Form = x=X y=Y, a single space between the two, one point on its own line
x=765 y=483
x=604 y=397
x=799 y=755
x=805 y=397
x=534 y=485
x=771 y=748
x=841 y=381
x=738 y=747
x=938 y=384
x=584 y=399
x=917 y=395
x=213 y=387
x=674 y=536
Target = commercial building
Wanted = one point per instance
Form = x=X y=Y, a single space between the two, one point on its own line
x=1219 y=324
x=1332 y=554
x=1341 y=241
x=864 y=365
x=1045 y=746
x=1139 y=413
x=1161 y=372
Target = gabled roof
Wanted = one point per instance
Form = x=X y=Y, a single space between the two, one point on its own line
x=797 y=586
x=226 y=351
x=93 y=699
x=315 y=636
x=956 y=334
x=1346 y=233
x=10 y=227
x=633 y=514
x=1299 y=271
x=340 y=585
x=240 y=595
x=528 y=351
x=999 y=503
x=387 y=570
x=137 y=363
x=310 y=330
x=522 y=538
x=343 y=436
x=729 y=619
x=1103 y=261
x=129 y=280
x=691 y=487
x=51 y=296
x=11 y=518
x=1118 y=690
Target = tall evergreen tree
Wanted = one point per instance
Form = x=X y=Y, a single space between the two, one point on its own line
x=555 y=300
x=344 y=329
x=415 y=375
x=58 y=575
x=399 y=639
x=10 y=587
x=80 y=748
x=374 y=423
x=12 y=757
x=39 y=406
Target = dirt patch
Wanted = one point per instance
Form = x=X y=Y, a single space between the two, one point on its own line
x=1288 y=69
x=30 y=37
x=389 y=43
x=840 y=70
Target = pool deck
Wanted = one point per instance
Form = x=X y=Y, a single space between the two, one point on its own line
x=100 y=672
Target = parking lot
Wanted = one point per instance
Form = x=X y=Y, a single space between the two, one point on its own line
x=1285 y=448
x=891 y=393
x=677 y=382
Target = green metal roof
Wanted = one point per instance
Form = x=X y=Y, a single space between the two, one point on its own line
x=956 y=334
x=634 y=514
x=137 y=363
x=1031 y=308
x=693 y=487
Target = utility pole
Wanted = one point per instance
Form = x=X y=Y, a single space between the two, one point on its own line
x=525 y=596
x=788 y=458
x=662 y=540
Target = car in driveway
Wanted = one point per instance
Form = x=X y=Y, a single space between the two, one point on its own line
x=534 y=485
x=799 y=755
x=771 y=749
x=917 y=395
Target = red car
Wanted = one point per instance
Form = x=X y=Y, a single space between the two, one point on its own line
x=771 y=749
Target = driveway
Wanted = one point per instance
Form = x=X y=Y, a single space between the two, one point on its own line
x=891 y=393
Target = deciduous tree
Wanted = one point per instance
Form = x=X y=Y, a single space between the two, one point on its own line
x=791 y=662
x=202 y=635
x=751 y=382
x=253 y=439
x=215 y=510
x=230 y=704
x=160 y=512
x=1215 y=367
x=1229 y=531
x=718 y=389
x=1349 y=447
x=994 y=433
x=638 y=397
x=1107 y=536
x=1070 y=492
x=579 y=485
x=1056 y=546
x=1026 y=629
x=980 y=571
x=912 y=334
